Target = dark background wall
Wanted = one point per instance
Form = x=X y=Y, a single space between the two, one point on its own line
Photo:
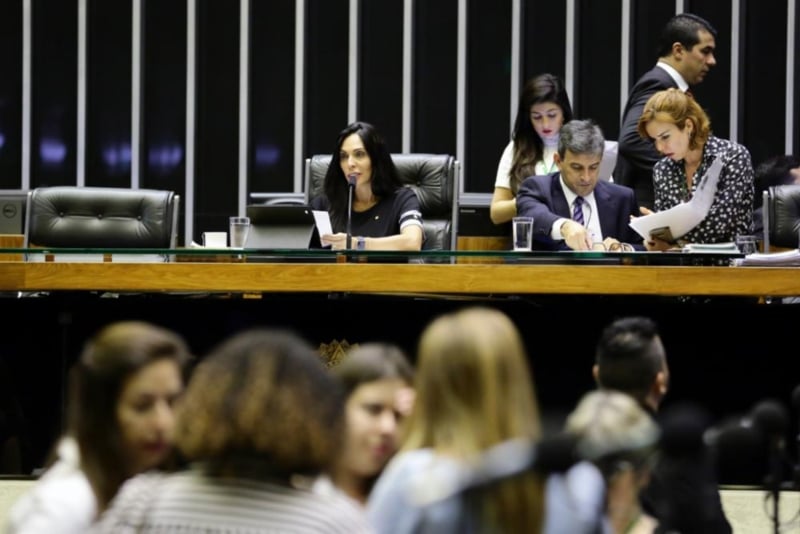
x=282 y=129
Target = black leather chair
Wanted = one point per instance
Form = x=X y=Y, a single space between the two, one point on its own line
x=433 y=177
x=781 y=212
x=101 y=217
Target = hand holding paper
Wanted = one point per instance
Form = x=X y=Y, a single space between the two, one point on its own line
x=681 y=219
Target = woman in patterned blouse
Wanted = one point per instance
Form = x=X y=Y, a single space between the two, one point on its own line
x=681 y=132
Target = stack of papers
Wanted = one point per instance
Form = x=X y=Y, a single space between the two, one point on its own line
x=711 y=247
x=790 y=258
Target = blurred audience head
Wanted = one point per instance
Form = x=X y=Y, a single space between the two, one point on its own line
x=378 y=381
x=474 y=390
x=261 y=405
x=613 y=429
x=122 y=392
x=630 y=358
x=619 y=437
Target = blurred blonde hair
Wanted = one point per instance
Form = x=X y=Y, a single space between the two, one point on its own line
x=612 y=428
x=676 y=107
x=474 y=390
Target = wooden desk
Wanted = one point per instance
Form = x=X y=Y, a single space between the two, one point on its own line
x=463 y=279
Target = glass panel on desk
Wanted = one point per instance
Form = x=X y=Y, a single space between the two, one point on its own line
x=226 y=255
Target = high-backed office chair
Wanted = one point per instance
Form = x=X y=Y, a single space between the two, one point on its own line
x=781 y=212
x=101 y=217
x=433 y=177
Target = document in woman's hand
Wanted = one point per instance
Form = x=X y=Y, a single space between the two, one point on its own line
x=679 y=220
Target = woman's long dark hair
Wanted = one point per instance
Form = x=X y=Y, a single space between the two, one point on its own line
x=528 y=146
x=385 y=180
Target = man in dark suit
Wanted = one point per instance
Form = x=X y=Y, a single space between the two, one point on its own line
x=685 y=55
x=571 y=209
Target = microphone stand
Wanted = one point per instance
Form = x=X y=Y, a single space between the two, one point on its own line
x=351 y=181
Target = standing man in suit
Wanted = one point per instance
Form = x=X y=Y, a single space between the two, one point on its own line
x=571 y=209
x=685 y=55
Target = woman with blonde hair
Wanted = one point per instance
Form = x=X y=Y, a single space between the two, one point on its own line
x=618 y=437
x=681 y=131
x=473 y=391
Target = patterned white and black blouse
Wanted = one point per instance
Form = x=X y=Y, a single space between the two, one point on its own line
x=731 y=212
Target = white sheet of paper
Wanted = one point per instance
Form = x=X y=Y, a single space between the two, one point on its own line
x=682 y=218
x=323 y=221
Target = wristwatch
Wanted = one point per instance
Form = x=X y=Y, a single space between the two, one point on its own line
x=361 y=243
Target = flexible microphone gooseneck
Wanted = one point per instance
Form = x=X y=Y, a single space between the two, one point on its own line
x=351 y=185
x=771 y=418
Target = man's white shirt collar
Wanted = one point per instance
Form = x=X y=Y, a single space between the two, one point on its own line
x=675 y=75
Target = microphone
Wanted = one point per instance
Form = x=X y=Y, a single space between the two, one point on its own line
x=771 y=418
x=351 y=185
x=682 y=430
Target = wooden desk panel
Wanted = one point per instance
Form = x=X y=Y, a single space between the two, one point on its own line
x=402 y=278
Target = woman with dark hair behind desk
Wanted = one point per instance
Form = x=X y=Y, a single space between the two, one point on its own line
x=385 y=215
x=543 y=109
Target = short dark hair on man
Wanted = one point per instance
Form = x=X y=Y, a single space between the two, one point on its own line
x=626 y=357
x=682 y=28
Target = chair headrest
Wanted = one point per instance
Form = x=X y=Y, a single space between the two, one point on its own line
x=784 y=215
x=97 y=217
x=429 y=175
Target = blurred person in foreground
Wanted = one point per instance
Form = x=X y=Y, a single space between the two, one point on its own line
x=473 y=391
x=378 y=382
x=261 y=416
x=120 y=422
x=683 y=493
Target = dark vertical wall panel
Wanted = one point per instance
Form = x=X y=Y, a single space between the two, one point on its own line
x=326 y=73
x=217 y=139
x=163 y=126
x=272 y=88
x=108 y=93
x=435 y=76
x=714 y=94
x=647 y=19
x=764 y=77
x=543 y=38
x=434 y=114
x=11 y=95
x=488 y=90
x=596 y=93
x=381 y=83
x=54 y=69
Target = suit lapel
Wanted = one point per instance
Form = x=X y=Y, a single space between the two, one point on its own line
x=560 y=206
x=606 y=209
